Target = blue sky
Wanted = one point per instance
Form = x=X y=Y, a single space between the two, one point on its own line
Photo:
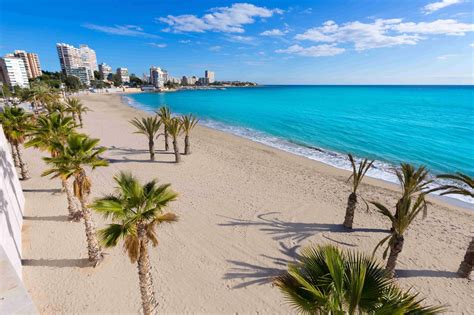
x=279 y=42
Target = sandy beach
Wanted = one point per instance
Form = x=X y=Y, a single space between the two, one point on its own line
x=245 y=210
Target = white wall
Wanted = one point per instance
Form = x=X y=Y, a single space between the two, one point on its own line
x=12 y=204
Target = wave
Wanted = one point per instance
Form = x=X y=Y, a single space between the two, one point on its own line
x=379 y=170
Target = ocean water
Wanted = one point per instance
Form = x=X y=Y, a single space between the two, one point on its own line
x=423 y=125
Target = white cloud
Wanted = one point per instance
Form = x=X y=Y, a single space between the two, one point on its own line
x=438 y=27
x=221 y=19
x=215 y=48
x=241 y=39
x=312 y=51
x=435 y=6
x=123 y=30
x=184 y=41
x=382 y=32
x=274 y=32
x=157 y=45
x=444 y=57
x=472 y=45
x=362 y=35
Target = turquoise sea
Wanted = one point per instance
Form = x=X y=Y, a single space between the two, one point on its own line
x=423 y=125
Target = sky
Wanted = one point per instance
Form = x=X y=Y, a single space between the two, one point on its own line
x=268 y=42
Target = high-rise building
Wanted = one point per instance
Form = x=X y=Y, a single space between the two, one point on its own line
x=23 y=56
x=88 y=58
x=69 y=57
x=13 y=71
x=35 y=66
x=123 y=73
x=158 y=77
x=73 y=59
x=203 y=81
x=31 y=60
x=189 y=80
x=105 y=70
x=82 y=73
x=209 y=75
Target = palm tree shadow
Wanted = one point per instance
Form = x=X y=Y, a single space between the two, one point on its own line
x=254 y=274
x=407 y=273
x=127 y=160
x=59 y=263
x=53 y=191
x=59 y=218
x=296 y=231
x=132 y=151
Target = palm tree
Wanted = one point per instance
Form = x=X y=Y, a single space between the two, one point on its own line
x=50 y=134
x=466 y=188
x=76 y=108
x=326 y=280
x=173 y=125
x=57 y=106
x=149 y=127
x=79 y=152
x=187 y=124
x=414 y=183
x=136 y=211
x=16 y=125
x=41 y=94
x=165 y=114
x=357 y=176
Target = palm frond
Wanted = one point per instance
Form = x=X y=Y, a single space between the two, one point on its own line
x=358 y=173
x=134 y=204
x=312 y=285
x=188 y=122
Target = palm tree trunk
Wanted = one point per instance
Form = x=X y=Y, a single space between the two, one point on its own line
x=177 y=156
x=395 y=248
x=74 y=117
x=465 y=268
x=187 y=145
x=93 y=247
x=14 y=156
x=167 y=146
x=80 y=119
x=151 y=148
x=23 y=167
x=144 y=274
x=350 y=210
x=74 y=214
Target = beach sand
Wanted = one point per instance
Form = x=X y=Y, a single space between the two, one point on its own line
x=245 y=210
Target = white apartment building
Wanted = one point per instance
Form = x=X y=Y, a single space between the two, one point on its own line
x=69 y=57
x=188 y=80
x=89 y=59
x=158 y=77
x=123 y=73
x=105 y=70
x=13 y=71
x=82 y=73
x=209 y=75
x=31 y=60
x=73 y=60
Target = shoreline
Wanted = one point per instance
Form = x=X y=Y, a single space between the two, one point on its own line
x=245 y=211
x=380 y=167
